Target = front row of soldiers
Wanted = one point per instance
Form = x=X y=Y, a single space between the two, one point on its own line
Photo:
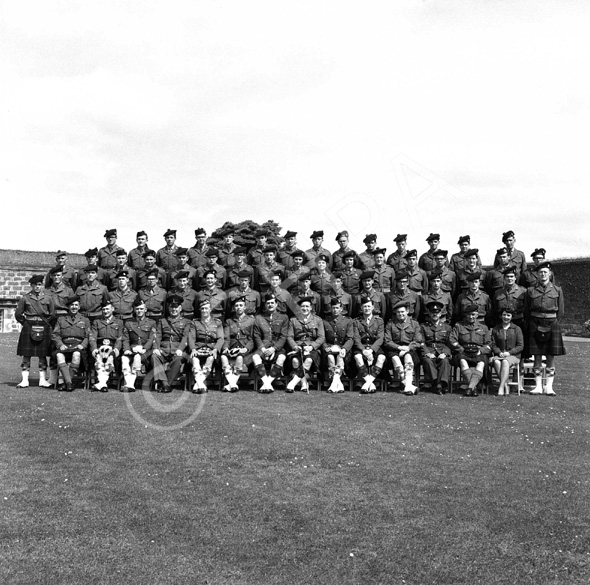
x=274 y=345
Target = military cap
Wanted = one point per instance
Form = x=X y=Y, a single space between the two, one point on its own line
x=321 y=257
x=237 y=299
x=212 y=253
x=149 y=253
x=106 y=302
x=60 y=253
x=366 y=299
x=411 y=253
x=244 y=274
x=433 y=306
x=181 y=274
x=399 y=305
x=290 y=234
x=169 y=232
x=72 y=299
x=501 y=251
x=473 y=308
x=304 y=276
x=298 y=253
x=153 y=272
x=348 y=254
x=341 y=234
x=138 y=302
x=204 y=302
x=302 y=300
x=174 y=300
x=200 y=232
x=472 y=252
x=269 y=248
x=335 y=301
x=317 y=234
x=36 y=279
x=141 y=233
x=337 y=274
x=509 y=270
x=269 y=297
x=367 y=275
x=277 y=272
x=182 y=252
x=539 y=252
x=121 y=252
x=433 y=237
x=240 y=250
x=400 y=237
x=472 y=277
x=378 y=251
x=545 y=264
x=401 y=275
x=90 y=268
x=506 y=235
x=111 y=232
x=463 y=239
x=444 y=253
x=260 y=232
x=90 y=253
x=369 y=238
x=436 y=273
x=56 y=269
x=122 y=273
x=208 y=272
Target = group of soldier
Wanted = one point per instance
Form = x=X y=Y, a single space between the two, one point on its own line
x=283 y=314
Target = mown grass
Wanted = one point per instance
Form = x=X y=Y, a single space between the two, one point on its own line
x=295 y=488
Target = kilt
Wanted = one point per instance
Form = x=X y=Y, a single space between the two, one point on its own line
x=413 y=353
x=472 y=360
x=246 y=357
x=313 y=355
x=553 y=345
x=28 y=348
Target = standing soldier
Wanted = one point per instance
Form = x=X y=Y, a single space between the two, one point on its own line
x=210 y=265
x=166 y=256
x=285 y=254
x=182 y=289
x=256 y=254
x=516 y=257
x=351 y=276
x=317 y=239
x=297 y=270
x=121 y=266
x=153 y=295
x=436 y=293
x=212 y=293
x=397 y=260
x=123 y=296
x=227 y=250
x=458 y=259
x=384 y=274
x=337 y=259
x=149 y=258
x=417 y=279
x=91 y=293
x=135 y=258
x=265 y=269
x=367 y=258
x=59 y=290
x=233 y=278
x=447 y=276
x=471 y=260
x=529 y=277
x=402 y=293
x=92 y=260
x=184 y=266
x=250 y=297
x=69 y=274
x=368 y=291
x=196 y=253
x=426 y=261
x=474 y=296
x=107 y=255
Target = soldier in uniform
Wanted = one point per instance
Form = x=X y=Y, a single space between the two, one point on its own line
x=227 y=250
x=337 y=260
x=321 y=280
x=304 y=291
x=285 y=254
x=169 y=345
x=338 y=293
x=516 y=257
x=426 y=261
x=69 y=274
x=529 y=277
x=339 y=332
x=233 y=278
x=305 y=337
x=238 y=343
x=367 y=258
x=368 y=290
x=293 y=274
x=474 y=296
x=205 y=342
x=471 y=341
x=70 y=337
x=436 y=293
x=265 y=269
x=270 y=336
x=212 y=293
x=196 y=253
x=106 y=341
x=458 y=262
x=397 y=260
x=495 y=277
x=123 y=296
x=182 y=289
x=139 y=335
x=317 y=239
x=544 y=308
x=59 y=290
x=121 y=266
x=369 y=358
x=92 y=260
x=107 y=255
x=402 y=341
x=153 y=295
x=36 y=313
x=402 y=293
x=184 y=266
x=417 y=279
x=471 y=260
x=435 y=352
x=448 y=277
x=351 y=276
x=135 y=257
x=507 y=346
x=384 y=279
x=256 y=254
x=91 y=293
x=211 y=265
x=149 y=258
x=166 y=257
x=510 y=295
x=250 y=297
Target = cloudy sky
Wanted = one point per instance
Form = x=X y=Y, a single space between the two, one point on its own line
x=376 y=117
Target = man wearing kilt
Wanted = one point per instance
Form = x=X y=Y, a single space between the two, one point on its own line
x=36 y=313
x=544 y=308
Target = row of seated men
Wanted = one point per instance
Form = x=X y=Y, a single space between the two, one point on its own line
x=273 y=344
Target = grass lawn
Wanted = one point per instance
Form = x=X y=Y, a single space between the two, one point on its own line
x=304 y=489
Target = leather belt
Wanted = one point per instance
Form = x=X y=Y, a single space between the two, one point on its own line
x=539 y=315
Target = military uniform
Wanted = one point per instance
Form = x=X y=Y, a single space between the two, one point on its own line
x=217 y=298
x=516 y=258
x=351 y=280
x=481 y=299
x=444 y=299
x=35 y=311
x=417 y=280
x=397 y=261
x=141 y=277
x=193 y=278
x=60 y=294
x=308 y=331
x=271 y=331
x=544 y=307
x=206 y=335
x=106 y=332
x=196 y=255
x=171 y=335
x=123 y=302
x=107 y=256
x=405 y=333
x=369 y=335
x=167 y=259
x=226 y=256
x=436 y=341
x=91 y=298
x=313 y=253
x=220 y=274
x=315 y=300
x=251 y=298
x=263 y=272
x=155 y=301
x=239 y=333
x=233 y=280
x=338 y=262
x=465 y=273
x=384 y=279
x=469 y=338
x=427 y=262
x=379 y=302
x=409 y=297
x=448 y=278
x=102 y=277
x=344 y=298
x=112 y=277
x=256 y=255
x=339 y=331
x=71 y=331
x=189 y=300
x=513 y=297
x=69 y=277
x=135 y=258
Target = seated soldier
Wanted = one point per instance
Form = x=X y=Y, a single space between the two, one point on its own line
x=340 y=294
x=305 y=337
x=58 y=290
x=139 y=335
x=296 y=270
x=106 y=341
x=435 y=352
x=169 y=345
x=210 y=265
x=183 y=266
x=91 y=293
x=471 y=267
x=368 y=290
x=317 y=239
x=397 y=260
x=495 y=277
x=70 y=336
x=337 y=256
x=182 y=289
x=507 y=346
x=149 y=259
x=107 y=255
x=305 y=291
x=265 y=269
x=227 y=250
x=270 y=336
x=135 y=256
x=123 y=297
x=402 y=293
x=205 y=342
x=384 y=278
x=121 y=258
x=458 y=262
x=435 y=293
x=238 y=343
x=402 y=341
x=153 y=296
x=285 y=254
x=233 y=280
x=511 y=294
x=243 y=290
x=212 y=293
x=471 y=341
x=256 y=254
x=196 y=254
x=351 y=276
x=474 y=296
x=515 y=257
x=427 y=261
x=448 y=277
x=368 y=341
x=68 y=273
x=166 y=256
x=417 y=279
x=339 y=331
x=92 y=260
x=367 y=258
